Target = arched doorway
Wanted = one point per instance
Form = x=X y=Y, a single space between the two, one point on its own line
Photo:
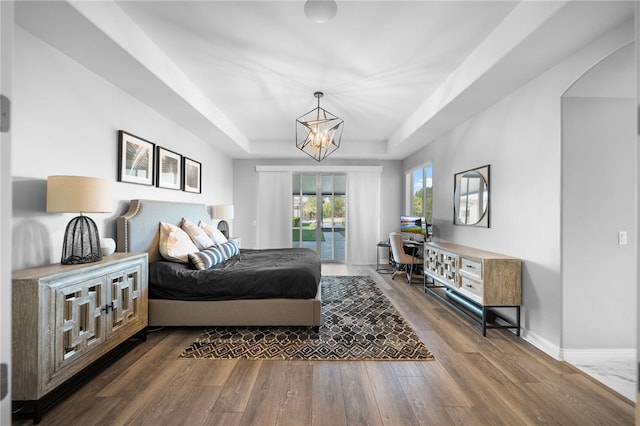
x=599 y=209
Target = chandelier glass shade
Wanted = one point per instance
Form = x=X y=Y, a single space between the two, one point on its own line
x=318 y=132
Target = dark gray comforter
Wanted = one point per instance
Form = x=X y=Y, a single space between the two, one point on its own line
x=253 y=274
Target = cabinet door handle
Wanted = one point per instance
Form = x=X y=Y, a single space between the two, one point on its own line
x=106 y=308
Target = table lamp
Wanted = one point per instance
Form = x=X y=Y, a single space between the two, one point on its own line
x=223 y=212
x=79 y=194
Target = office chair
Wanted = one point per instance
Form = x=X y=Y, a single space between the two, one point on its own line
x=403 y=262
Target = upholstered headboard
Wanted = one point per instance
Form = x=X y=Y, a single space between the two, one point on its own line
x=138 y=229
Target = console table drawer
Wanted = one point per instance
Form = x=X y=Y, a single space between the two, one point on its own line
x=473 y=288
x=471 y=267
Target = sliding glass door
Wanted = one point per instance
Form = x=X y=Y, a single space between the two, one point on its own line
x=319 y=214
x=305 y=211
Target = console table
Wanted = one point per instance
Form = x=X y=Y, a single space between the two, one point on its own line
x=68 y=321
x=474 y=282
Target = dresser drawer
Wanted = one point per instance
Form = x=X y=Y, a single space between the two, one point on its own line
x=473 y=289
x=471 y=267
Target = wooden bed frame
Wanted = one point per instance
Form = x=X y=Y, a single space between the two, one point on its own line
x=138 y=231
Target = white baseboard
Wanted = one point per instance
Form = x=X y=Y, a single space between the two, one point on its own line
x=541 y=343
x=576 y=356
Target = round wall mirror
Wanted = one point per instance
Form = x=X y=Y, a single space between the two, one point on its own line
x=471 y=197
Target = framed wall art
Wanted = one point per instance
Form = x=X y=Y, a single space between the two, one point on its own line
x=168 y=169
x=192 y=171
x=135 y=159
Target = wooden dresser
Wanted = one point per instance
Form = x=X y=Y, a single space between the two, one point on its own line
x=474 y=282
x=67 y=317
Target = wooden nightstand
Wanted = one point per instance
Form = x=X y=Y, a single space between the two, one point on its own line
x=68 y=317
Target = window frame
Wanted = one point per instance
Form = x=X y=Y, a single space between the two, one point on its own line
x=410 y=191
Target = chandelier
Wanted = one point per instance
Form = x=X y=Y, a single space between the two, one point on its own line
x=318 y=132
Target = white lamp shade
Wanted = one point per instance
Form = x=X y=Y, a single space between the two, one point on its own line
x=78 y=194
x=223 y=211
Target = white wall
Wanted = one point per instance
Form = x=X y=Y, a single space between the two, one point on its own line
x=598 y=200
x=66 y=120
x=520 y=137
x=246 y=198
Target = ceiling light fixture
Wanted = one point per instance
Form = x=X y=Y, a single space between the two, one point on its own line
x=320 y=11
x=318 y=132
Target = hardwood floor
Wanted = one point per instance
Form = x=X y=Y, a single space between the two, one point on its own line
x=500 y=379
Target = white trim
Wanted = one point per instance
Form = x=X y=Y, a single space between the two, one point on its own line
x=573 y=356
x=331 y=169
x=578 y=355
x=408 y=186
x=542 y=344
x=418 y=166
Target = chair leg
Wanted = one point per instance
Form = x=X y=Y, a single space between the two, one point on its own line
x=396 y=271
x=401 y=269
x=411 y=274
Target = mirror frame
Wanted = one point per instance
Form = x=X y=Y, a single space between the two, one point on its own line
x=483 y=222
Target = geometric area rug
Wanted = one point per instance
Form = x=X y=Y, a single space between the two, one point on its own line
x=358 y=323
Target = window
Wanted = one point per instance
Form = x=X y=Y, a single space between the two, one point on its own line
x=421 y=192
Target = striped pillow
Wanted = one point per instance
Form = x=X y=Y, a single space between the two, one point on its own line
x=207 y=258
x=230 y=248
x=212 y=256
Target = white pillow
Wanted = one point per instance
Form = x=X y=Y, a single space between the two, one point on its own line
x=175 y=245
x=213 y=233
x=197 y=234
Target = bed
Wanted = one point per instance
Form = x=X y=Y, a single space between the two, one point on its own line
x=138 y=231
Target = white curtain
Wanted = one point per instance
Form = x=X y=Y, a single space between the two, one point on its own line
x=275 y=213
x=363 y=217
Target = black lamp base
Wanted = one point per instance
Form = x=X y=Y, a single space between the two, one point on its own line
x=81 y=242
x=223 y=226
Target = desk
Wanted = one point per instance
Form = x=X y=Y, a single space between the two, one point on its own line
x=413 y=248
x=416 y=250
x=379 y=268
